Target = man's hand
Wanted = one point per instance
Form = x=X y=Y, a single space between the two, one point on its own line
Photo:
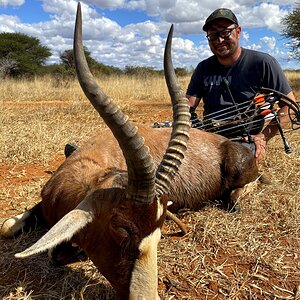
x=261 y=146
x=196 y=123
x=193 y=113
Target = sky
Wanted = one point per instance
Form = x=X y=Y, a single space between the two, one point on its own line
x=132 y=32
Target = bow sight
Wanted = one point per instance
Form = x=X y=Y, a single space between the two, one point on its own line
x=265 y=105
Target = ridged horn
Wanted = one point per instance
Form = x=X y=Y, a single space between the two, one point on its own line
x=140 y=165
x=181 y=124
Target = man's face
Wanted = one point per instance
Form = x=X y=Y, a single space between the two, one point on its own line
x=223 y=38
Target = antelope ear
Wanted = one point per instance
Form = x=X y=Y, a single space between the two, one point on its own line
x=62 y=231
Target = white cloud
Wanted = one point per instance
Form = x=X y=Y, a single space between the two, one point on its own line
x=269 y=15
x=9 y=23
x=60 y=7
x=106 y=3
x=143 y=43
x=135 y=5
x=12 y=2
x=245 y=36
x=145 y=29
x=254 y=47
x=270 y=41
x=183 y=45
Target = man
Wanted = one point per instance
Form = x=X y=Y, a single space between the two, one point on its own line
x=232 y=77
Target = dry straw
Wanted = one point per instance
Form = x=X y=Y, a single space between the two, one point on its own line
x=254 y=254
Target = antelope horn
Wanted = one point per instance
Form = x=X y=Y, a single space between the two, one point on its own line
x=181 y=124
x=140 y=165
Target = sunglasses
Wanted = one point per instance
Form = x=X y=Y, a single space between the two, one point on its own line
x=224 y=34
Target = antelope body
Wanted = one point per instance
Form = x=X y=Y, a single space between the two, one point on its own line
x=213 y=166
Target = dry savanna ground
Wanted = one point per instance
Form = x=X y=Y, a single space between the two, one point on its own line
x=254 y=254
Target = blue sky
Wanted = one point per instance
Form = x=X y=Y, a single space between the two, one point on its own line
x=132 y=32
x=29 y=12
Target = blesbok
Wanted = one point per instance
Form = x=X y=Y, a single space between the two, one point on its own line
x=114 y=212
x=107 y=195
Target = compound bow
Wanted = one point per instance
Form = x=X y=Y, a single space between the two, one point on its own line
x=263 y=106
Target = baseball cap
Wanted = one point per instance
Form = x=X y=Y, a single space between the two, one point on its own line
x=220 y=13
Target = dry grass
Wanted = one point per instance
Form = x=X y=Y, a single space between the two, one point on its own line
x=251 y=255
x=293 y=77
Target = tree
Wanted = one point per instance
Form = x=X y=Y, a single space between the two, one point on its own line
x=67 y=59
x=142 y=72
x=181 y=71
x=26 y=51
x=291 y=23
x=7 y=67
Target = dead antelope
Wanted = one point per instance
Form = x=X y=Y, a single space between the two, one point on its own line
x=107 y=197
x=113 y=210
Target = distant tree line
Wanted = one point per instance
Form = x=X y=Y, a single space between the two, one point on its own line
x=25 y=56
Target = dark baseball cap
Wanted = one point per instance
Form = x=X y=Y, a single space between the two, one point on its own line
x=220 y=13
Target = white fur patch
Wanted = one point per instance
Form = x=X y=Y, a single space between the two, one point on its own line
x=144 y=275
x=14 y=224
x=160 y=210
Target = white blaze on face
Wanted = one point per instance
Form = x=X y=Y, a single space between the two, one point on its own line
x=14 y=224
x=143 y=285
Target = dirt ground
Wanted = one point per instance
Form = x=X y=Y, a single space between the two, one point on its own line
x=217 y=259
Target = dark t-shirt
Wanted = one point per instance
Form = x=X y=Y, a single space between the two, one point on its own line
x=217 y=84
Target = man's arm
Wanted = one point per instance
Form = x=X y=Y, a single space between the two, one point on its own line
x=193 y=101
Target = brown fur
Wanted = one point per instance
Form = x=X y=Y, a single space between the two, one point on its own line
x=111 y=241
x=212 y=168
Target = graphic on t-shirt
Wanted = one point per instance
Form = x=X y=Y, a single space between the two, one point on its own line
x=214 y=83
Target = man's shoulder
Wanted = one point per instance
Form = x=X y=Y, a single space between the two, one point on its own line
x=209 y=62
x=211 y=59
x=257 y=55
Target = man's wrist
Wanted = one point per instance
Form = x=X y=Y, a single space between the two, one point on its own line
x=260 y=137
x=265 y=136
